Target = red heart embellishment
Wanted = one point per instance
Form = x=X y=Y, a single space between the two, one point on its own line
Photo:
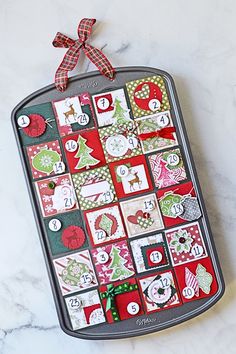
x=134 y=218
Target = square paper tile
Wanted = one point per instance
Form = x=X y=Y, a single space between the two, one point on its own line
x=141 y=215
x=158 y=122
x=111 y=107
x=56 y=195
x=147 y=95
x=45 y=159
x=196 y=279
x=179 y=204
x=127 y=301
x=186 y=243
x=105 y=224
x=74 y=114
x=149 y=253
x=167 y=168
x=85 y=310
x=159 y=291
x=94 y=188
x=119 y=142
x=113 y=262
x=131 y=176
x=66 y=233
x=75 y=272
x=83 y=151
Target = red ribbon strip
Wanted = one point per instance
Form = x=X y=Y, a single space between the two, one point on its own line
x=166 y=133
x=72 y=55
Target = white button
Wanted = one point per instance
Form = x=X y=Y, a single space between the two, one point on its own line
x=163 y=120
x=133 y=308
x=100 y=235
x=177 y=209
x=164 y=282
x=102 y=257
x=154 y=105
x=197 y=250
x=83 y=119
x=173 y=159
x=71 y=145
x=107 y=197
x=54 y=225
x=59 y=167
x=74 y=303
x=103 y=103
x=155 y=257
x=86 y=279
x=122 y=171
x=149 y=205
x=132 y=142
x=23 y=121
x=188 y=292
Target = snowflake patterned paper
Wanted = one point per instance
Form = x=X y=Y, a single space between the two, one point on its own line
x=116 y=266
x=159 y=291
x=105 y=224
x=196 y=279
x=75 y=272
x=186 y=243
x=147 y=95
x=74 y=114
x=167 y=168
x=85 y=310
x=45 y=158
x=149 y=253
x=119 y=142
x=111 y=108
x=153 y=123
x=94 y=188
x=141 y=215
x=56 y=195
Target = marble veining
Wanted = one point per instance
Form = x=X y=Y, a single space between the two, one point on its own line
x=194 y=42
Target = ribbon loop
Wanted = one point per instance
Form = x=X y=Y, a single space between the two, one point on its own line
x=166 y=133
x=72 y=55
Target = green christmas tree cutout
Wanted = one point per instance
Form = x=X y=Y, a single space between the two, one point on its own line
x=119 y=114
x=106 y=224
x=83 y=154
x=119 y=271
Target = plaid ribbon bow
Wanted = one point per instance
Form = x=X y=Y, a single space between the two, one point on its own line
x=72 y=55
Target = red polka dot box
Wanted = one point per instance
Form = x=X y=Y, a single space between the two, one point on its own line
x=118 y=205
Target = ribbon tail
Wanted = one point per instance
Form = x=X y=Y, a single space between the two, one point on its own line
x=108 y=305
x=167 y=133
x=100 y=61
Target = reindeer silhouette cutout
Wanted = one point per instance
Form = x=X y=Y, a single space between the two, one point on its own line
x=70 y=112
x=136 y=179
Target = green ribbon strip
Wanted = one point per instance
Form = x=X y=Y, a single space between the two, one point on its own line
x=112 y=291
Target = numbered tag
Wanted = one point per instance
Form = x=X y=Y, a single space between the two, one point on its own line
x=177 y=209
x=59 y=167
x=54 y=225
x=102 y=257
x=103 y=103
x=164 y=282
x=69 y=202
x=163 y=120
x=155 y=257
x=83 y=119
x=149 y=205
x=71 y=145
x=173 y=159
x=86 y=279
x=188 y=292
x=23 y=121
x=100 y=235
x=132 y=142
x=154 y=105
x=122 y=171
x=133 y=308
x=197 y=250
x=74 y=303
x=107 y=197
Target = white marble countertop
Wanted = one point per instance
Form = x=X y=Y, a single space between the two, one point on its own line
x=195 y=42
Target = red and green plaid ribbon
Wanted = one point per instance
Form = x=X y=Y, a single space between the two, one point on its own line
x=72 y=55
x=110 y=294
